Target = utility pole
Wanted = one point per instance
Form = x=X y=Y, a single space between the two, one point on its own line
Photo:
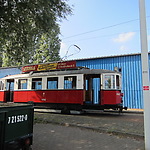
x=145 y=73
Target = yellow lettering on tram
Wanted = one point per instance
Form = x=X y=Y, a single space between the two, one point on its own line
x=44 y=67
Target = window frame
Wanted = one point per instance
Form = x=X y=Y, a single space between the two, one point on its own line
x=70 y=85
x=54 y=79
x=1 y=85
x=19 y=84
x=113 y=81
x=39 y=79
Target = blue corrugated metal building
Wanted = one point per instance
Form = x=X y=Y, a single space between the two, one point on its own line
x=131 y=74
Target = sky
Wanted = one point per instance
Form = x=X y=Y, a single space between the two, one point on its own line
x=100 y=28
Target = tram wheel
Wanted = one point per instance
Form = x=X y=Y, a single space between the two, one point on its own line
x=120 y=110
x=65 y=110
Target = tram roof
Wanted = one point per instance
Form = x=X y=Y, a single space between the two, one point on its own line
x=55 y=73
x=69 y=72
x=16 y=76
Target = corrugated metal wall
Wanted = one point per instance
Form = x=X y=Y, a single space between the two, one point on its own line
x=131 y=75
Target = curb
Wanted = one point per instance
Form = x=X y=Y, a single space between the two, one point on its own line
x=137 y=111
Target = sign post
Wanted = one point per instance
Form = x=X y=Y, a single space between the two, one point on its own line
x=145 y=73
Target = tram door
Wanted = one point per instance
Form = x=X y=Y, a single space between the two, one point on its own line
x=10 y=90
x=92 y=86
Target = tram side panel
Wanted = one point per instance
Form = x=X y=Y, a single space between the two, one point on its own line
x=111 y=97
x=53 y=96
x=5 y=96
x=2 y=96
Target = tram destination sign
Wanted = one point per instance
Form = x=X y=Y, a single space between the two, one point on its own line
x=50 y=66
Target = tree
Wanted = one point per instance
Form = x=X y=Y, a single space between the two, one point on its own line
x=47 y=47
x=24 y=24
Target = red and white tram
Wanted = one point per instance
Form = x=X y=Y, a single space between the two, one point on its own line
x=67 y=89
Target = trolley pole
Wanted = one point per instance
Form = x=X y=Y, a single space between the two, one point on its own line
x=145 y=73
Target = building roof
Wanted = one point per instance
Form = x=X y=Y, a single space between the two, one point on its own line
x=110 y=56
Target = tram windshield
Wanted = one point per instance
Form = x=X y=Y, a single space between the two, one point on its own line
x=111 y=81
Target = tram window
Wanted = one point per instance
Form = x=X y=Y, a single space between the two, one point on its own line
x=1 y=85
x=117 y=82
x=22 y=84
x=70 y=82
x=107 y=81
x=113 y=80
x=37 y=83
x=52 y=83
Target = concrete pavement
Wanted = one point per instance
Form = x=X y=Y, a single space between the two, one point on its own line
x=94 y=131
x=58 y=137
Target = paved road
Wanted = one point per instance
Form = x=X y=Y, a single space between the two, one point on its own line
x=128 y=123
x=54 y=131
x=58 y=137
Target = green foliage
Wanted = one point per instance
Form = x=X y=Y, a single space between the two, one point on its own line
x=47 y=47
x=29 y=30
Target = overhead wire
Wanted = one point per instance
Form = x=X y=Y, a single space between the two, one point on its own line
x=107 y=27
x=102 y=36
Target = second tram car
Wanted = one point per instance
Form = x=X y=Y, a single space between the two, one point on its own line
x=67 y=89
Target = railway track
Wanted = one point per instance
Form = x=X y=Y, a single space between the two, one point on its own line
x=91 y=112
